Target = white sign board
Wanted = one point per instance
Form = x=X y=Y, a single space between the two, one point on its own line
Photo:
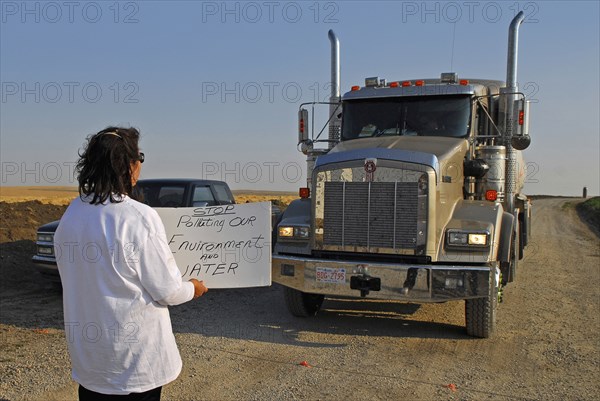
x=225 y=246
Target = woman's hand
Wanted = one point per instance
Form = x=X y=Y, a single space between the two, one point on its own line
x=199 y=288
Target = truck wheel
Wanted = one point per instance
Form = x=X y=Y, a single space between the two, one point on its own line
x=480 y=313
x=302 y=304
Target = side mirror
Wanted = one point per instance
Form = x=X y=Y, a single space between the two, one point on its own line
x=302 y=126
x=521 y=140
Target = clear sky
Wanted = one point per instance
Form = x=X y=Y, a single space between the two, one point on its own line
x=215 y=86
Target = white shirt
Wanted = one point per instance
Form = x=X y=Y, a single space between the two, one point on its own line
x=118 y=275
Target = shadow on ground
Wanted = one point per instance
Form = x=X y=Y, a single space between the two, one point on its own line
x=30 y=301
x=260 y=314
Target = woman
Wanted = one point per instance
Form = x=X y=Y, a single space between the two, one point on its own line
x=118 y=277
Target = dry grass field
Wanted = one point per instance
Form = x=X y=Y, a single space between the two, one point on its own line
x=54 y=195
x=243 y=196
x=57 y=195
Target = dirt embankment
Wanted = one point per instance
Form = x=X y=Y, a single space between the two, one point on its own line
x=243 y=345
x=589 y=211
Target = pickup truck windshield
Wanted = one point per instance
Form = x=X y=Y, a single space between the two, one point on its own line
x=447 y=116
x=162 y=195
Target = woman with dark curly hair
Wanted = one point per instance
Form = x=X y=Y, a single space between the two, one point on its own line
x=118 y=277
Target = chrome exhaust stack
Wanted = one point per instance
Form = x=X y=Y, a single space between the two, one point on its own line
x=334 y=108
x=510 y=98
x=334 y=122
x=513 y=49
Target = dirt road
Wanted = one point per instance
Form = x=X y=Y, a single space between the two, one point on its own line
x=242 y=344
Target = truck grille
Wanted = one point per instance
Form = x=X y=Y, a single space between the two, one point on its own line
x=374 y=215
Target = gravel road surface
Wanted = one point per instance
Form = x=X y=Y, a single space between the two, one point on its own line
x=243 y=344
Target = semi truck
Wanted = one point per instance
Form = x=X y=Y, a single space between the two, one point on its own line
x=415 y=195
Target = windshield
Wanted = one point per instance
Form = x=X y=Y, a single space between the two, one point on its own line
x=161 y=195
x=416 y=116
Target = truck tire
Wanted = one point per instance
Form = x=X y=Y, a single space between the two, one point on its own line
x=522 y=237
x=302 y=304
x=514 y=252
x=480 y=313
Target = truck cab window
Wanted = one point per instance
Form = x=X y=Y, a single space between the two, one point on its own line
x=483 y=120
x=413 y=116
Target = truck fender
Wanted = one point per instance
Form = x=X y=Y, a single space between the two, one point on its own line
x=507 y=228
x=298 y=212
x=524 y=205
x=473 y=216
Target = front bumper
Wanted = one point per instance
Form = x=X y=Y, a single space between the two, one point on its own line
x=421 y=283
x=47 y=266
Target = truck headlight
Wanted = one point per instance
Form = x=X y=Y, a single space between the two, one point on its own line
x=301 y=232
x=286 y=232
x=462 y=238
x=455 y=238
x=294 y=232
x=477 y=239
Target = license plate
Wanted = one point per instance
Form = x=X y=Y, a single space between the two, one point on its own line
x=331 y=275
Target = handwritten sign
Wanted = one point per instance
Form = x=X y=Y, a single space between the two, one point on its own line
x=226 y=246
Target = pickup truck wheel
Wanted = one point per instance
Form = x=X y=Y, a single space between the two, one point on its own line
x=480 y=313
x=302 y=304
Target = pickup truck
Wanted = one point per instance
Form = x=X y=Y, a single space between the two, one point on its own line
x=160 y=192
